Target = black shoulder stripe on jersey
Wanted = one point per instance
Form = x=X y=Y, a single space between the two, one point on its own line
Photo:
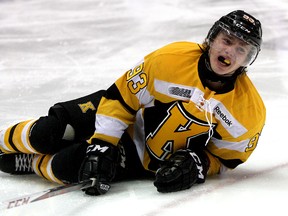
x=113 y=93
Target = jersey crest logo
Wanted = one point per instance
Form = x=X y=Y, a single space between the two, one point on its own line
x=177 y=130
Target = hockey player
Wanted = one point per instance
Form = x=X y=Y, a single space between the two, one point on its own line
x=185 y=111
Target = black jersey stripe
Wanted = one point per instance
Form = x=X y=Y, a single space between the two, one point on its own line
x=113 y=93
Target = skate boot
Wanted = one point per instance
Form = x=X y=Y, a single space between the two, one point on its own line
x=16 y=163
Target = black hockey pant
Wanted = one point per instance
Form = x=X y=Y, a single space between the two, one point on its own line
x=47 y=137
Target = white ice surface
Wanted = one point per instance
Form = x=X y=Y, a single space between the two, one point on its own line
x=56 y=50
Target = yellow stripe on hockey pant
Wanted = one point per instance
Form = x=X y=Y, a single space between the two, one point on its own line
x=42 y=167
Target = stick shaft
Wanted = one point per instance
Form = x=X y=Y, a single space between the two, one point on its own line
x=23 y=200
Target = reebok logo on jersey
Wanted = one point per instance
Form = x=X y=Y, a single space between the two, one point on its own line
x=222 y=116
x=182 y=92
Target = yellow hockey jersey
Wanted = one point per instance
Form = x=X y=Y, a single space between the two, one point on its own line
x=164 y=106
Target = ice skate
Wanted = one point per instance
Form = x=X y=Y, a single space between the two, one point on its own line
x=16 y=163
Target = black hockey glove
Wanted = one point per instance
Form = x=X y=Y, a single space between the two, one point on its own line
x=183 y=169
x=100 y=165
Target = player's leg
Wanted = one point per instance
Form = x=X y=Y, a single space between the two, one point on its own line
x=61 y=167
x=64 y=165
x=16 y=163
x=80 y=114
x=66 y=122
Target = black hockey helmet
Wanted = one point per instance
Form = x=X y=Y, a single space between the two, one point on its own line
x=243 y=26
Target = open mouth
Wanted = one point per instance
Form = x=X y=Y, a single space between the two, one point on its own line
x=224 y=61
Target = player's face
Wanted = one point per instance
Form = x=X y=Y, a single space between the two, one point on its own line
x=227 y=53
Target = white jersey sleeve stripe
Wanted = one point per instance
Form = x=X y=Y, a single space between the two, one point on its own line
x=237 y=146
x=103 y=126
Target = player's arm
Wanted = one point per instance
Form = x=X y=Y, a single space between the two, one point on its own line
x=115 y=112
x=118 y=107
x=228 y=154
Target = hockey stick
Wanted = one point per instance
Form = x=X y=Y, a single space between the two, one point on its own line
x=23 y=200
